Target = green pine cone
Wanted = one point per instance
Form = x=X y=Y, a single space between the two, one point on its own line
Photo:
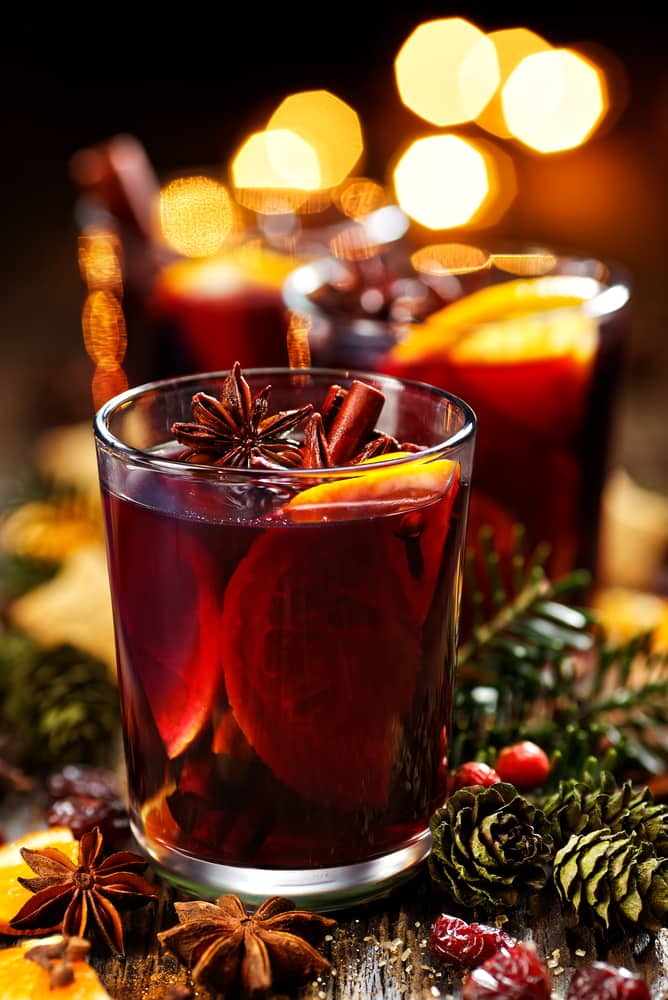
x=489 y=844
x=64 y=706
x=580 y=806
x=609 y=880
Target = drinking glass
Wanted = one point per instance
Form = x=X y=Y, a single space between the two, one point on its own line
x=286 y=641
x=532 y=338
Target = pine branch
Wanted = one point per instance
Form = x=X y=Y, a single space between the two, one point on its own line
x=541 y=668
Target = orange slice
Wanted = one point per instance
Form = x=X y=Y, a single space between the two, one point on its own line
x=522 y=348
x=172 y=642
x=12 y=866
x=22 y=979
x=375 y=492
x=512 y=320
x=321 y=630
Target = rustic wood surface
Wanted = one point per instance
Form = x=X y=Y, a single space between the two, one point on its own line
x=378 y=951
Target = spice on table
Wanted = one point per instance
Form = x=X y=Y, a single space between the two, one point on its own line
x=227 y=948
x=67 y=895
x=58 y=957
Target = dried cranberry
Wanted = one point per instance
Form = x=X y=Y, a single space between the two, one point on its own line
x=82 y=779
x=510 y=974
x=459 y=943
x=82 y=813
x=601 y=981
x=474 y=772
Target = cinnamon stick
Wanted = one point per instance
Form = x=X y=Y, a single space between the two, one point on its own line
x=355 y=421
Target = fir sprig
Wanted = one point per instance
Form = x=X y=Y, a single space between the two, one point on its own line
x=536 y=667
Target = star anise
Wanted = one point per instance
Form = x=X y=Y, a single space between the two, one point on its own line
x=230 y=950
x=236 y=431
x=68 y=895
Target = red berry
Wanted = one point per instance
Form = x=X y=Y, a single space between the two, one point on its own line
x=474 y=772
x=511 y=974
x=82 y=779
x=601 y=981
x=525 y=765
x=459 y=943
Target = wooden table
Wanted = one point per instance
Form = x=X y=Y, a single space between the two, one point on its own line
x=379 y=951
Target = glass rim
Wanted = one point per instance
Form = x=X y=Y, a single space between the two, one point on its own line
x=120 y=449
x=613 y=294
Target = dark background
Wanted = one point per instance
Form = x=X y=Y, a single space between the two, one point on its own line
x=192 y=83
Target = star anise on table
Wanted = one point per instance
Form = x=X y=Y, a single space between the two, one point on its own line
x=230 y=950
x=236 y=431
x=67 y=896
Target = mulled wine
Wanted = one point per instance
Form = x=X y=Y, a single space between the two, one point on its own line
x=537 y=356
x=286 y=638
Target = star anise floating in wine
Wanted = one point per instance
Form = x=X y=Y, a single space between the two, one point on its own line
x=230 y=950
x=237 y=430
x=67 y=897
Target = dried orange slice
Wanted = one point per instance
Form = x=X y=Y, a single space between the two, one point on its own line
x=321 y=631
x=12 y=866
x=21 y=979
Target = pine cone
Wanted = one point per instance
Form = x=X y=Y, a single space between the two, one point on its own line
x=609 y=880
x=64 y=705
x=595 y=804
x=488 y=845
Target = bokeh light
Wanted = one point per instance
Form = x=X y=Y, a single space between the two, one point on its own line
x=329 y=126
x=553 y=100
x=196 y=215
x=277 y=172
x=525 y=264
x=449 y=258
x=441 y=181
x=446 y=71
x=359 y=196
x=99 y=256
x=104 y=332
x=512 y=46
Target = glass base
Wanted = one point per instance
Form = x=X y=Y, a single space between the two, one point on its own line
x=319 y=889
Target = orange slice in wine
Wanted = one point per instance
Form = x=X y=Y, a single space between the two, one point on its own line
x=524 y=348
x=321 y=633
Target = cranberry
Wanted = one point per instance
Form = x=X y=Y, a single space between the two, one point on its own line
x=525 y=765
x=601 y=981
x=510 y=974
x=82 y=813
x=459 y=943
x=82 y=779
x=474 y=772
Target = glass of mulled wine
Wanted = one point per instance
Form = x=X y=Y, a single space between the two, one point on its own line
x=532 y=339
x=286 y=573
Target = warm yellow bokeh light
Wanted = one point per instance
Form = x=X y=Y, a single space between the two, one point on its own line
x=441 y=181
x=195 y=215
x=553 y=100
x=360 y=196
x=446 y=71
x=99 y=253
x=104 y=332
x=107 y=383
x=512 y=46
x=525 y=264
x=276 y=159
x=329 y=126
x=449 y=258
